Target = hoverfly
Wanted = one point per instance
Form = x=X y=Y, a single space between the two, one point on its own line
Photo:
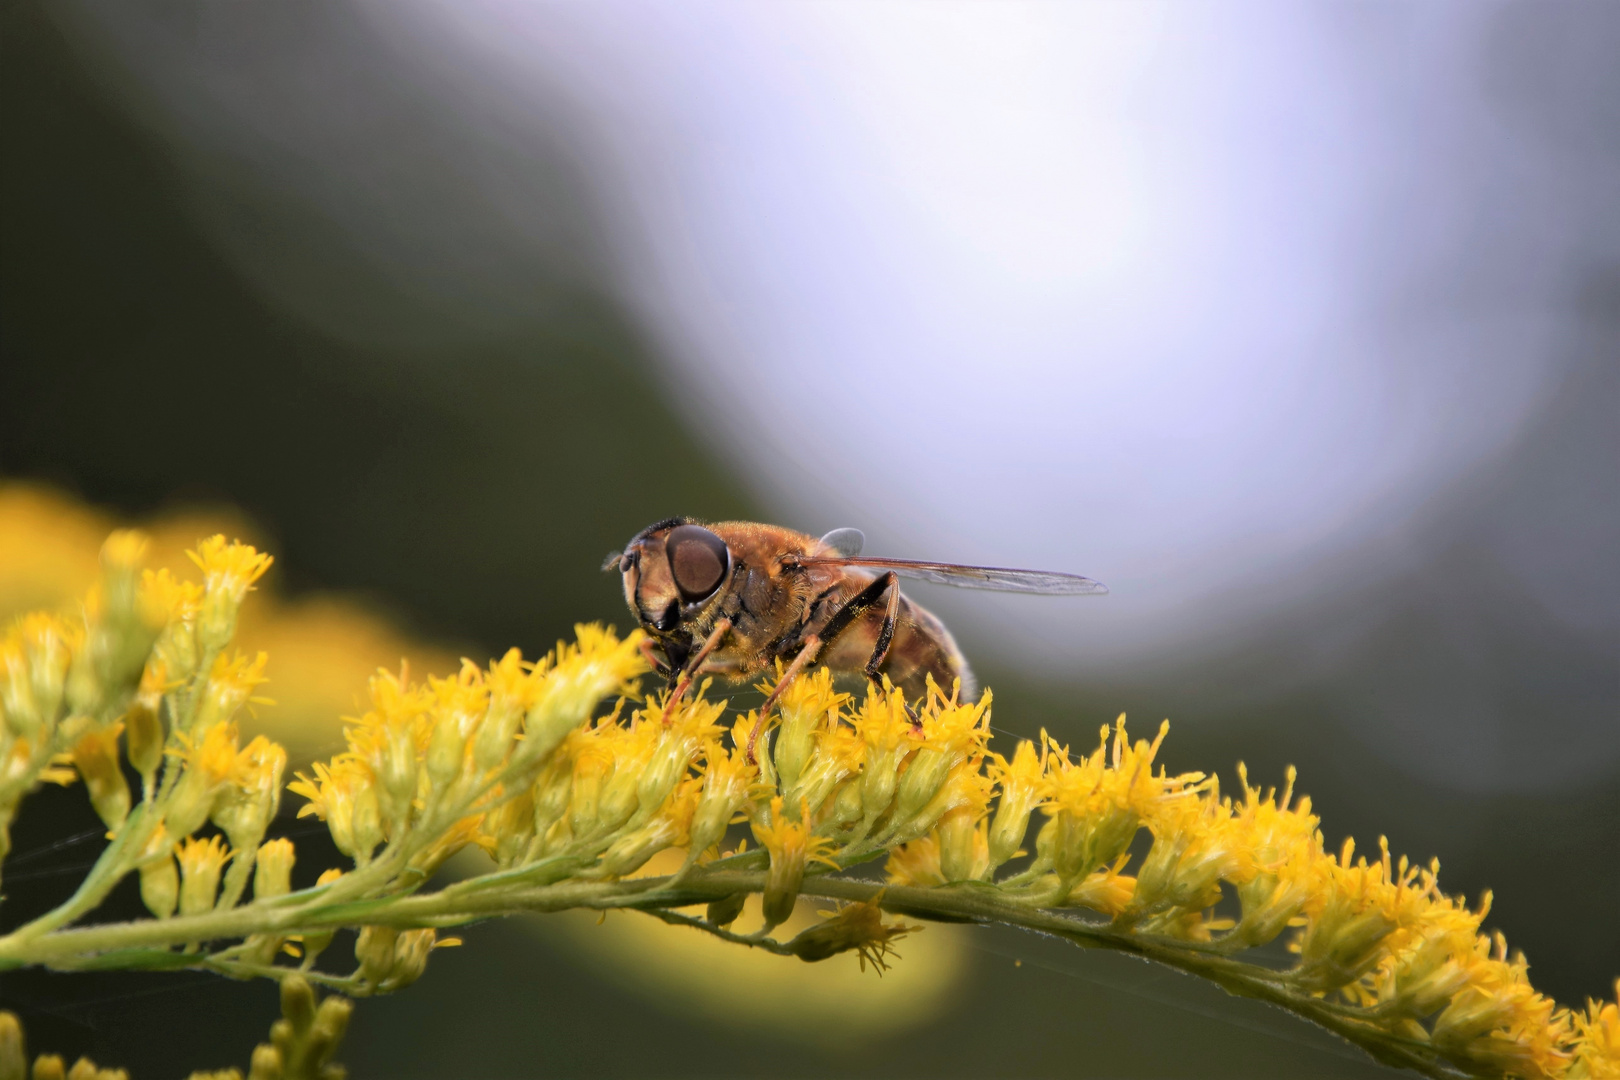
x=734 y=597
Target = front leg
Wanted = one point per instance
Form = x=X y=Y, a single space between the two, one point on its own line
x=807 y=656
x=656 y=662
x=721 y=629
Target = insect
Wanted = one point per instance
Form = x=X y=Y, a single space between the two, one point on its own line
x=734 y=597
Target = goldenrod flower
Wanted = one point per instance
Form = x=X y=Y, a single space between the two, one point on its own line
x=915 y=863
x=1194 y=849
x=668 y=828
x=229 y=571
x=201 y=862
x=176 y=650
x=1107 y=890
x=34 y=663
x=677 y=742
x=1356 y=907
x=792 y=844
x=230 y=685
x=857 y=927
x=629 y=751
x=728 y=781
x=1021 y=785
x=391 y=959
x=453 y=838
x=343 y=794
x=576 y=678
x=208 y=765
x=964 y=844
x=884 y=724
x=836 y=754
x=1283 y=865
x=808 y=707
x=1596 y=1050
x=1096 y=804
x=951 y=735
x=252 y=794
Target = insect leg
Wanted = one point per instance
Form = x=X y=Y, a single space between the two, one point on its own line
x=807 y=656
x=886 y=633
x=859 y=605
x=654 y=661
x=720 y=630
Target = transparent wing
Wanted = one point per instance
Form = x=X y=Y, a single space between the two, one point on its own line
x=847 y=542
x=993 y=578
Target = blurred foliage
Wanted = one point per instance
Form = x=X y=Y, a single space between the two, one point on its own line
x=325 y=647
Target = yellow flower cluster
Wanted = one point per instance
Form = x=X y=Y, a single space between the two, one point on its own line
x=566 y=778
x=1378 y=934
x=428 y=762
x=839 y=782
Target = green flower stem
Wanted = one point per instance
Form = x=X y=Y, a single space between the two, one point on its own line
x=144 y=943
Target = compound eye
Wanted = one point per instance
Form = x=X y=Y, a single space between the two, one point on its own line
x=698 y=559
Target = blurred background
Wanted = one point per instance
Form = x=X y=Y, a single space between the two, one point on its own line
x=1298 y=325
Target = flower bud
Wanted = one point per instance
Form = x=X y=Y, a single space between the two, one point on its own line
x=920 y=783
x=551 y=793
x=95 y=755
x=848 y=803
x=374 y=951
x=119 y=633
x=585 y=795
x=160 y=886
x=795 y=741
x=631 y=851
x=13 y=1052
x=446 y=755
x=496 y=733
x=143 y=736
x=266 y=1063
x=272 y=873
x=963 y=848
x=331 y=1023
x=315 y=942
x=512 y=826
x=391 y=959
x=726 y=910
